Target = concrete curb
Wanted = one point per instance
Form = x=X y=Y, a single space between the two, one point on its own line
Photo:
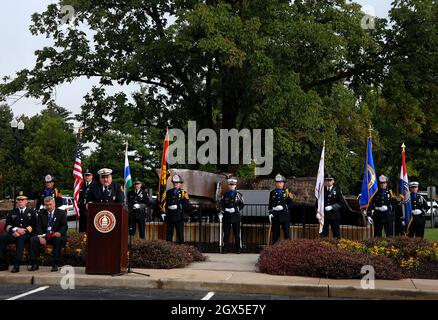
x=284 y=289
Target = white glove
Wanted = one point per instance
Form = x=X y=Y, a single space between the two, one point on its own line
x=163 y=216
x=270 y=218
x=384 y=208
x=136 y=206
x=328 y=208
x=416 y=212
x=370 y=220
x=220 y=217
x=318 y=216
x=173 y=207
x=403 y=223
x=230 y=210
x=278 y=208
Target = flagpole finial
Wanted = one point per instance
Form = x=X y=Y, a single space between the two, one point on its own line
x=370 y=130
x=403 y=146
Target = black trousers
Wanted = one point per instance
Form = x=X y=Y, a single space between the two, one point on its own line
x=236 y=232
x=417 y=230
x=383 y=221
x=83 y=220
x=285 y=226
x=334 y=224
x=179 y=227
x=35 y=247
x=7 y=238
x=137 y=220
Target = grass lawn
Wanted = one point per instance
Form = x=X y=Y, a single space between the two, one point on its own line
x=431 y=234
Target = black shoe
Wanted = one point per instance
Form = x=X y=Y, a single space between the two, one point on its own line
x=4 y=267
x=224 y=250
x=54 y=268
x=15 y=269
x=238 y=251
x=34 y=267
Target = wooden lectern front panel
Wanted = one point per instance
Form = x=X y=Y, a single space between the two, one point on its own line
x=107 y=246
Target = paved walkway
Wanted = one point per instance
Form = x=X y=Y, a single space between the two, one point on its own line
x=237 y=274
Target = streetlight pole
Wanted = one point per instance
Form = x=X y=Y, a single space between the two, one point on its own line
x=17 y=127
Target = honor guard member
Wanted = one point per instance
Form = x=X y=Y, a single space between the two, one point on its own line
x=382 y=207
x=174 y=204
x=419 y=207
x=83 y=200
x=106 y=191
x=231 y=205
x=49 y=191
x=333 y=202
x=51 y=229
x=20 y=225
x=138 y=200
x=280 y=204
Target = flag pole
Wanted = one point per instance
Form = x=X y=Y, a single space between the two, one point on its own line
x=80 y=130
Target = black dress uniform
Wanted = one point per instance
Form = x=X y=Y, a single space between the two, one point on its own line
x=137 y=216
x=332 y=197
x=47 y=192
x=281 y=218
x=232 y=199
x=17 y=218
x=47 y=225
x=383 y=219
x=418 y=220
x=175 y=217
x=111 y=194
x=83 y=193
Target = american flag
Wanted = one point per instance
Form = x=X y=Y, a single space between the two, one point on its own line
x=78 y=179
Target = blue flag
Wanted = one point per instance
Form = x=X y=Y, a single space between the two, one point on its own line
x=369 y=185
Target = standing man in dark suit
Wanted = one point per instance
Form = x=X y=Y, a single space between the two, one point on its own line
x=138 y=201
x=280 y=204
x=419 y=206
x=231 y=205
x=174 y=204
x=49 y=191
x=83 y=200
x=382 y=206
x=51 y=229
x=333 y=202
x=106 y=191
x=20 y=225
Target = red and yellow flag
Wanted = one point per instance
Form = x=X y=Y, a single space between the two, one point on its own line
x=165 y=169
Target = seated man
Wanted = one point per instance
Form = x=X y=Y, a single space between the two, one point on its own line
x=51 y=229
x=20 y=224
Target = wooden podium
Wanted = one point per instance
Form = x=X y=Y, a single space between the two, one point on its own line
x=107 y=246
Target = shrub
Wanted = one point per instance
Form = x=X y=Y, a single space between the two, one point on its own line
x=316 y=258
x=145 y=254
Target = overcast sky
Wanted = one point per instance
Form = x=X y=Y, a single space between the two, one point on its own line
x=18 y=47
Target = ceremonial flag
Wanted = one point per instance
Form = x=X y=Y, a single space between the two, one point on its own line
x=78 y=179
x=165 y=170
x=404 y=190
x=369 y=185
x=128 y=180
x=319 y=190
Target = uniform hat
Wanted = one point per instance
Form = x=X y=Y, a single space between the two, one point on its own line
x=49 y=178
x=413 y=184
x=137 y=181
x=21 y=196
x=232 y=181
x=88 y=173
x=104 y=172
x=280 y=178
x=383 y=178
x=329 y=177
x=176 y=178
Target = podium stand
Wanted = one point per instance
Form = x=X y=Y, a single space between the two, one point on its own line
x=107 y=245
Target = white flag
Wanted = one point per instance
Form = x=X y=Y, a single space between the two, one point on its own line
x=319 y=190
